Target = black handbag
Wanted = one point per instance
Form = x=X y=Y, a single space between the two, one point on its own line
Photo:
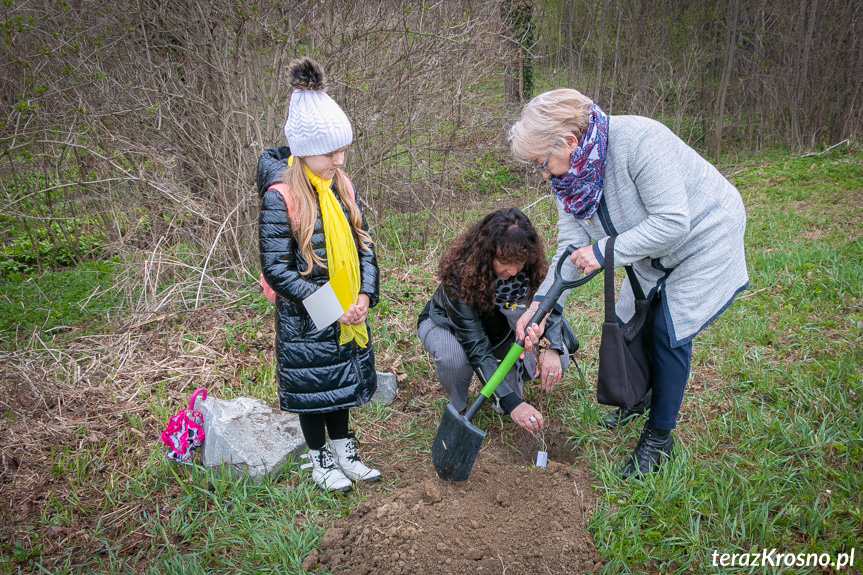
x=624 y=351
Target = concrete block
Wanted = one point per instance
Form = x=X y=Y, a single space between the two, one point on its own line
x=249 y=435
x=388 y=387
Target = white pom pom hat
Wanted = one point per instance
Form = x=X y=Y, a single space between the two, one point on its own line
x=316 y=125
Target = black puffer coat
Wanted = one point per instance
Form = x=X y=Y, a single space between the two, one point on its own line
x=315 y=373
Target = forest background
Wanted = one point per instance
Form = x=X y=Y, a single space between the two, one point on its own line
x=135 y=129
x=130 y=134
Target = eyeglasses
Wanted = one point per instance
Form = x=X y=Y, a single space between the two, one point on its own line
x=540 y=167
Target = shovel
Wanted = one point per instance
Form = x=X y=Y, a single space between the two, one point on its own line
x=457 y=442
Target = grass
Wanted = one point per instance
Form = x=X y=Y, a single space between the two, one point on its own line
x=55 y=301
x=770 y=440
x=770 y=443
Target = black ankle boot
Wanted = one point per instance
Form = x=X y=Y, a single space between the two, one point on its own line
x=654 y=447
x=622 y=415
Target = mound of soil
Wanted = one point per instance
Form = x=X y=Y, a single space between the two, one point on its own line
x=506 y=518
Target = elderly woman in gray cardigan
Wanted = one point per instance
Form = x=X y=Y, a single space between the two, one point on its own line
x=677 y=221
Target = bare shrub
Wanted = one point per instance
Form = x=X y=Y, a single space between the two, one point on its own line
x=144 y=123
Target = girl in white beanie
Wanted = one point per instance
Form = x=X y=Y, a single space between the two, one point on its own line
x=312 y=227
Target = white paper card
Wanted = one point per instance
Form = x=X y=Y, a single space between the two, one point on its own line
x=323 y=306
x=541 y=458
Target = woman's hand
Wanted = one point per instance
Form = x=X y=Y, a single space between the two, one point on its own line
x=584 y=259
x=522 y=415
x=549 y=369
x=356 y=314
x=529 y=333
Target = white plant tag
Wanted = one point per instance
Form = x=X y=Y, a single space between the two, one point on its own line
x=541 y=458
x=323 y=306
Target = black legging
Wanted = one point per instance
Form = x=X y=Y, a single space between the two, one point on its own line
x=316 y=425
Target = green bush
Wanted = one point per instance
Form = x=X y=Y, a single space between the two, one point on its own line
x=22 y=256
x=68 y=297
x=487 y=173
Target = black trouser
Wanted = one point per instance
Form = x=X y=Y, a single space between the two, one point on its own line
x=316 y=425
x=670 y=371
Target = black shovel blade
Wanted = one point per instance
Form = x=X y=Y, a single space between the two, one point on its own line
x=455 y=446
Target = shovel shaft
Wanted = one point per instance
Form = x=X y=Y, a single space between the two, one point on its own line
x=474 y=407
x=502 y=369
x=510 y=358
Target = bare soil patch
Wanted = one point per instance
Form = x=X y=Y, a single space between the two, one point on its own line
x=508 y=517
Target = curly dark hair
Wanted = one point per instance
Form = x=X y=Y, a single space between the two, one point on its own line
x=466 y=267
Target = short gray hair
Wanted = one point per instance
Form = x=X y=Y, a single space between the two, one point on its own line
x=545 y=120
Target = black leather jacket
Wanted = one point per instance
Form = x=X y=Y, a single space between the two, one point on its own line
x=315 y=373
x=486 y=337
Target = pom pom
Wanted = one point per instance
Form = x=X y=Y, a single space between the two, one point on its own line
x=306 y=74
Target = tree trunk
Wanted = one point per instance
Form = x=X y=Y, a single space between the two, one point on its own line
x=511 y=80
x=848 y=104
x=517 y=17
x=803 y=87
x=616 y=57
x=598 y=89
x=570 y=46
x=731 y=17
x=704 y=97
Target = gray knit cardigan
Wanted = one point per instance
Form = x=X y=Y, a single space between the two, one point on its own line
x=678 y=221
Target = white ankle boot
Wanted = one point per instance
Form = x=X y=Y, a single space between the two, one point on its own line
x=346 y=458
x=324 y=470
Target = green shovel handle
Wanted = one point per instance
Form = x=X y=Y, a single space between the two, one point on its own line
x=502 y=369
x=515 y=350
x=506 y=364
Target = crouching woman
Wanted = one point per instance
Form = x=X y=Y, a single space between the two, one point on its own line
x=488 y=275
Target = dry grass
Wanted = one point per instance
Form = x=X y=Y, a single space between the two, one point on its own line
x=83 y=415
x=81 y=419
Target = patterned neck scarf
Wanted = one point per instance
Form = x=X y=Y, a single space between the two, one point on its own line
x=341 y=250
x=581 y=188
x=512 y=292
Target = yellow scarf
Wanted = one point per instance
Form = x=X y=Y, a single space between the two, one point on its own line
x=341 y=250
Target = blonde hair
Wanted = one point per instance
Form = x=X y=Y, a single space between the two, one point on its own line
x=545 y=120
x=305 y=211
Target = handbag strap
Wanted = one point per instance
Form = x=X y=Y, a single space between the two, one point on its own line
x=633 y=282
x=608 y=270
